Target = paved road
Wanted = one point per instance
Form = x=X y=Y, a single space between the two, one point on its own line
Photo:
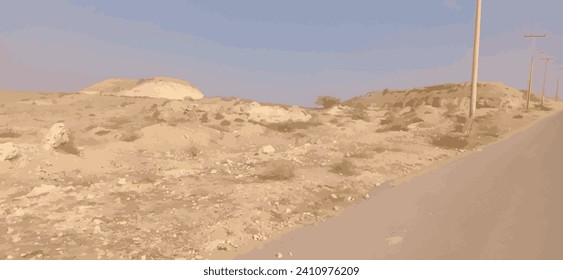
x=505 y=202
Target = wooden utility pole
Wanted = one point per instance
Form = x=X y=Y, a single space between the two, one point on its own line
x=474 y=78
x=557 y=91
x=547 y=60
x=530 y=80
x=530 y=84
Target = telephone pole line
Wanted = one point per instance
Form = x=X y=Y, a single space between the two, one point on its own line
x=473 y=104
x=530 y=79
x=547 y=60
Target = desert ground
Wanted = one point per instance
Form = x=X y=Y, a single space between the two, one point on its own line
x=143 y=175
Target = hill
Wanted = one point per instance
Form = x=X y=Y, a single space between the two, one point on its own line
x=159 y=87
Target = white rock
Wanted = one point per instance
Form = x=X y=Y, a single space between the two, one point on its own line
x=43 y=189
x=268 y=150
x=9 y=151
x=57 y=136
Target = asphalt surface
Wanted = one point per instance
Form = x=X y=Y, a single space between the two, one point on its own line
x=504 y=202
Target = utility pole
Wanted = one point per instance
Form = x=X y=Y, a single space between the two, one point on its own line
x=557 y=91
x=530 y=80
x=547 y=60
x=530 y=84
x=474 y=78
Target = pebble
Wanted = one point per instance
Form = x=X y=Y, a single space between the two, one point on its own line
x=366 y=196
x=279 y=255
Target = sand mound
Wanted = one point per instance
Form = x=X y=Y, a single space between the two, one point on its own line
x=159 y=87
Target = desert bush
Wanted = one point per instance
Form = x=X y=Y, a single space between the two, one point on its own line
x=344 y=167
x=543 y=107
x=193 y=151
x=118 y=122
x=519 y=116
x=129 y=136
x=219 y=116
x=9 y=133
x=204 y=118
x=288 y=127
x=359 y=112
x=278 y=170
x=225 y=123
x=490 y=130
x=449 y=142
x=451 y=108
x=360 y=154
x=239 y=120
x=327 y=101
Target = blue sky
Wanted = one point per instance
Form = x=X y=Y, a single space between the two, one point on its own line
x=280 y=51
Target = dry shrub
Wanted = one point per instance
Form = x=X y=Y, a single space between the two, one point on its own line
x=344 y=167
x=129 y=136
x=288 y=127
x=193 y=151
x=490 y=130
x=518 y=116
x=543 y=107
x=219 y=116
x=9 y=133
x=102 y=132
x=225 y=123
x=359 y=114
x=239 y=120
x=204 y=118
x=361 y=154
x=298 y=136
x=359 y=111
x=278 y=170
x=327 y=101
x=118 y=122
x=449 y=142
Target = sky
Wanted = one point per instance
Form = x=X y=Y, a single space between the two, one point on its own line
x=276 y=51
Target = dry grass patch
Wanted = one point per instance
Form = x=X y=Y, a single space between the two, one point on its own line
x=449 y=142
x=9 y=133
x=344 y=167
x=278 y=170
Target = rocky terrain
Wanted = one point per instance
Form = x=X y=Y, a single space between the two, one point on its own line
x=108 y=174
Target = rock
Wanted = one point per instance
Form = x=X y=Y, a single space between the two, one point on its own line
x=279 y=255
x=9 y=151
x=268 y=150
x=57 y=137
x=405 y=110
x=43 y=189
x=366 y=196
x=276 y=114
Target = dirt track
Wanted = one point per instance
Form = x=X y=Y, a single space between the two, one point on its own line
x=504 y=202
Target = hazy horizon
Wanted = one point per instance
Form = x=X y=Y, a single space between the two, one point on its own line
x=287 y=52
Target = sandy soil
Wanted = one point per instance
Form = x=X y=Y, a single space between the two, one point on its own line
x=108 y=177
